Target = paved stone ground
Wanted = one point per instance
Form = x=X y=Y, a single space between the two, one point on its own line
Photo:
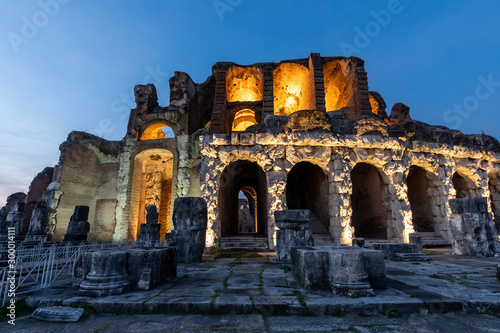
x=450 y=322
x=254 y=292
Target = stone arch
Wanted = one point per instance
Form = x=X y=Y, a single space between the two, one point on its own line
x=464 y=185
x=419 y=197
x=243 y=119
x=247 y=210
x=293 y=89
x=494 y=188
x=151 y=184
x=238 y=175
x=307 y=188
x=80 y=176
x=156 y=131
x=370 y=202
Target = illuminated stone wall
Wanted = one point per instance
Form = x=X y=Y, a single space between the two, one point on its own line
x=337 y=156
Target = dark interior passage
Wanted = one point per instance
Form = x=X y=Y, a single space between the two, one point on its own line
x=248 y=178
x=307 y=188
x=368 y=216
x=463 y=186
x=421 y=209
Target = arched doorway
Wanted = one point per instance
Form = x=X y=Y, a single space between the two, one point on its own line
x=368 y=198
x=418 y=195
x=151 y=185
x=239 y=211
x=307 y=188
x=464 y=186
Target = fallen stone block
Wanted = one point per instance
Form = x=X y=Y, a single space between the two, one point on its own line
x=390 y=249
x=57 y=313
x=292 y=230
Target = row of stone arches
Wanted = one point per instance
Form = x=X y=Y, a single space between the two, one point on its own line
x=307 y=187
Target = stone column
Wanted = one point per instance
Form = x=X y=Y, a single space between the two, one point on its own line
x=149 y=235
x=293 y=230
x=14 y=218
x=78 y=227
x=39 y=223
x=190 y=226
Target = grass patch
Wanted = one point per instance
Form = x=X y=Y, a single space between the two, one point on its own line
x=286 y=267
x=225 y=283
x=261 y=281
x=390 y=312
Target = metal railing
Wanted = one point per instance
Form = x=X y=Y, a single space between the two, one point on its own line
x=42 y=265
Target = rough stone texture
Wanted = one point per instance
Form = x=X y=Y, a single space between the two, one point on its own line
x=190 y=225
x=57 y=313
x=145 y=98
x=39 y=223
x=473 y=229
x=149 y=235
x=391 y=249
x=148 y=268
x=143 y=269
x=498 y=272
x=78 y=227
x=415 y=238
x=292 y=230
x=108 y=273
x=399 y=113
x=12 y=214
x=38 y=185
x=14 y=218
x=348 y=271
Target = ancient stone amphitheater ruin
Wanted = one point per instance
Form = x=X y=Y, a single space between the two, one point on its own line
x=253 y=139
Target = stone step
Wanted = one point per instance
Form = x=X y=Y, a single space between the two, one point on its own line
x=322 y=239
x=412 y=256
x=244 y=243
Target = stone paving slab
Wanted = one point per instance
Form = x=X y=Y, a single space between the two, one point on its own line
x=263 y=286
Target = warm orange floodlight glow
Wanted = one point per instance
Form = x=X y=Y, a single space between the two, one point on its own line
x=243 y=119
x=375 y=105
x=244 y=84
x=293 y=89
x=337 y=90
x=154 y=132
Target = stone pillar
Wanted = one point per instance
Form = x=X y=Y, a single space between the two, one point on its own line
x=14 y=218
x=39 y=223
x=78 y=227
x=108 y=274
x=190 y=224
x=472 y=227
x=293 y=230
x=149 y=235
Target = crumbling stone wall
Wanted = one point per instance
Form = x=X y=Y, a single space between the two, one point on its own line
x=277 y=154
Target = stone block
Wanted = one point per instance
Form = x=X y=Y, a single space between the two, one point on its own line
x=58 y=314
x=416 y=238
x=78 y=227
x=346 y=270
x=148 y=268
x=292 y=230
x=149 y=235
x=190 y=224
x=108 y=274
x=390 y=249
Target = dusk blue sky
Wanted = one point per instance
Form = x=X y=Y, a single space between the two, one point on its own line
x=77 y=69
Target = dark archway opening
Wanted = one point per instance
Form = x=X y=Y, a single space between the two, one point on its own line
x=243 y=197
x=464 y=186
x=368 y=216
x=421 y=209
x=307 y=188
